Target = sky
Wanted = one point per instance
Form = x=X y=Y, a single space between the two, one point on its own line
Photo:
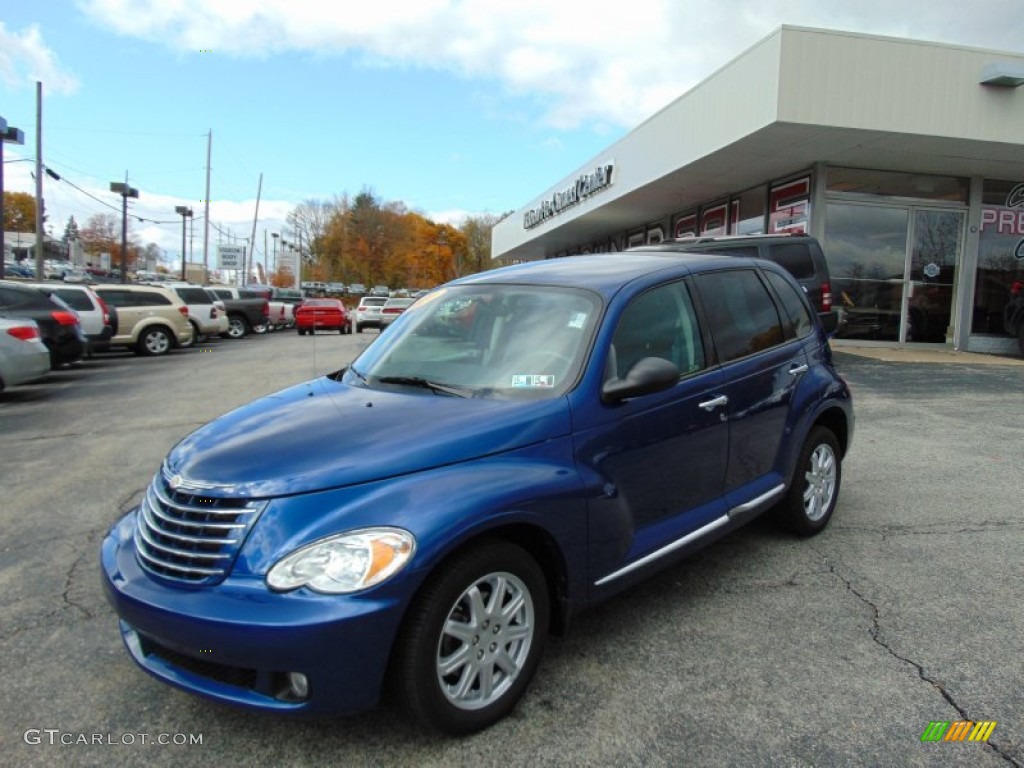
x=452 y=107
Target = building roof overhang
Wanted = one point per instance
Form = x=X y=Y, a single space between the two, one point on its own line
x=796 y=105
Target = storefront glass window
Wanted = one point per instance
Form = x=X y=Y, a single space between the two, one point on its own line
x=1000 y=254
x=749 y=212
x=893 y=184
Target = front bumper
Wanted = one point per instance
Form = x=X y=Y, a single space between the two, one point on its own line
x=237 y=642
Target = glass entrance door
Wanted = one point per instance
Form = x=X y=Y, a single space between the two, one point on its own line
x=893 y=270
x=935 y=242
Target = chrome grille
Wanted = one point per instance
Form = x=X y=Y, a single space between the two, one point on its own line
x=189 y=537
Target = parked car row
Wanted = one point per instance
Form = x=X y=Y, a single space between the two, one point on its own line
x=57 y=324
x=66 y=322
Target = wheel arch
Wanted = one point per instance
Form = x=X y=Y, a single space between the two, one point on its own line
x=537 y=542
x=834 y=419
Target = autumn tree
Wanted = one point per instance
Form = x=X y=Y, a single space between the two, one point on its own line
x=102 y=234
x=477 y=232
x=19 y=212
x=367 y=240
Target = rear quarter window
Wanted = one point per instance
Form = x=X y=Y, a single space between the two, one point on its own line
x=194 y=296
x=77 y=300
x=794 y=307
x=795 y=258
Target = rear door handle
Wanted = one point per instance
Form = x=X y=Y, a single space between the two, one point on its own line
x=797 y=369
x=710 y=405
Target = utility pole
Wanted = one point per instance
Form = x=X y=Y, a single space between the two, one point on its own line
x=252 y=240
x=125 y=192
x=40 y=269
x=206 y=220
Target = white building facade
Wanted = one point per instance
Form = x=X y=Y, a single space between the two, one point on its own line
x=904 y=158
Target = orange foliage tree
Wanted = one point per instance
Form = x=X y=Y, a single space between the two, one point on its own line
x=365 y=240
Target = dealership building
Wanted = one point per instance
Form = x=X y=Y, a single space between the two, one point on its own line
x=904 y=158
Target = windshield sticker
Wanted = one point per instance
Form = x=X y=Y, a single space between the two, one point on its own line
x=533 y=380
x=578 y=320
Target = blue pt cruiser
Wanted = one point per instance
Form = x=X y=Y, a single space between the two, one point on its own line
x=519 y=445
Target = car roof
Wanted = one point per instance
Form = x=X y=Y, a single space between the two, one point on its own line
x=604 y=273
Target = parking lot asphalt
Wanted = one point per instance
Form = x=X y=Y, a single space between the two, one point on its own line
x=762 y=649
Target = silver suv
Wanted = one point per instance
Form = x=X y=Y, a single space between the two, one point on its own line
x=206 y=318
x=98 y=319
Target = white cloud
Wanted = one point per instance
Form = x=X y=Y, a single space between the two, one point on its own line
x=586 y=62
x=25 y=58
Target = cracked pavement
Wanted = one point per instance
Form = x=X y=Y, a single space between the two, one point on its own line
x=762 y=649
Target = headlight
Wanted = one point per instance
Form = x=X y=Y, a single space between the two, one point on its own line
x=344 y=563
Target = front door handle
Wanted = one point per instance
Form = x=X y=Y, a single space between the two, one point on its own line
x=710 y=405
x=797 y=369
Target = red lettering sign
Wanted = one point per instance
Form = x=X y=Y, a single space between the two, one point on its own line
x=788 y=206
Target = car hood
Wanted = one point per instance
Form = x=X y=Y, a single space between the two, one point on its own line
x=325 y=434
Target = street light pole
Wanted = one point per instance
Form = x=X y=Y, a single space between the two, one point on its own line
x=8 y=135
x=125 y=192
x=183 y=211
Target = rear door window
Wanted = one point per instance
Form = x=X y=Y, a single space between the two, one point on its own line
x=117 y=297
x=151 y=298
x=741 y=314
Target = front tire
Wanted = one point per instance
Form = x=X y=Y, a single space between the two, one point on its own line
x=812 y=495
x=473 y=639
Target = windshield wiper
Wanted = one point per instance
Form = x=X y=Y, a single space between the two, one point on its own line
x=433 y=386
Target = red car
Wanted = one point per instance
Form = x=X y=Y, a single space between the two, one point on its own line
x=322 y=315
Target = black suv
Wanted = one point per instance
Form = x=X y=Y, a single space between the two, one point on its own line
x=59 y=326
x=800 y=255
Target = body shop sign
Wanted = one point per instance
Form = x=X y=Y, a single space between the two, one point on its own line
x=584 y=186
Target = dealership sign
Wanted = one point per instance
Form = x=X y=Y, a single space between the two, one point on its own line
x=584 y=186
x=231 y=256
x=1007 y=220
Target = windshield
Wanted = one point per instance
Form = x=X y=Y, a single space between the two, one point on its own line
x=485 y=341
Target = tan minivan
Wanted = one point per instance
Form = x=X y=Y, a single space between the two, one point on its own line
x=151 y=320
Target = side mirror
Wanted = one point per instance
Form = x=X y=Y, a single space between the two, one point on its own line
x=649 y=374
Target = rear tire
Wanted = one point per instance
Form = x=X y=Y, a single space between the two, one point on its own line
x=238 y=327
x=155 y=341
x=814 y=490
x=472 y=639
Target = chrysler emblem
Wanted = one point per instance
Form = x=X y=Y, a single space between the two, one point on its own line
x=175 y=482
